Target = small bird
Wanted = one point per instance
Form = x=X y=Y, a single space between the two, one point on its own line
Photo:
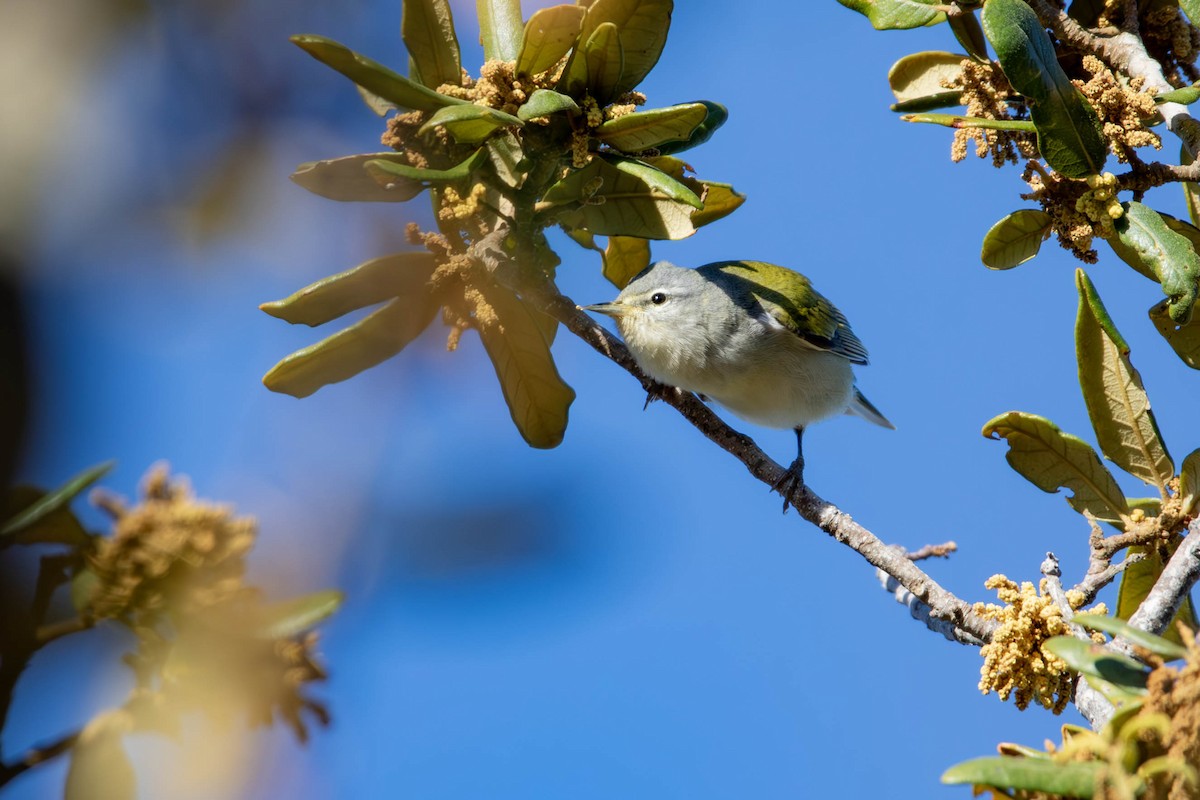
x=754 y=337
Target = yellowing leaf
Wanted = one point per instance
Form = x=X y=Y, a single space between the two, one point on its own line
x=625 y=257
x=1189 y=482
x=923 y=76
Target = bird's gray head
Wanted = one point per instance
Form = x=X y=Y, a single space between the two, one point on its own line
x=663 y=301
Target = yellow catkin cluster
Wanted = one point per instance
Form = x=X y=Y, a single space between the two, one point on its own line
x=169 y=550
x=459 y=207
x=1174 y=692
x=401 y=131
x=1172 y=42
x=1059 y=197
x=625 y=104
x=984 y=92
x=1123 y=110
x=1111 y=14
x=1014 y=662
x=457 y=280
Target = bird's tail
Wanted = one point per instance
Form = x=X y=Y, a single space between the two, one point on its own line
x=861 y=407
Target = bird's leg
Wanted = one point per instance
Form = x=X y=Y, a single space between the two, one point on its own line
x=793 y=479
x=661 y=391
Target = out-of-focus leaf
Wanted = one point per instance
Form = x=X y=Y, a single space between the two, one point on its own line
x=1119 y=627
x=1189 y=482
x=969 y=33
x=1168 y=255
x=289 y=618
x=373 y=282
x=583 y=238
x=1051 y=459
x=347 y=179
x=364 y=344
x=41 y=508
x=388 y=173
x=549 y=35
x=373 y=76
x=374 y=102
x=1136 y=582
x=1015 y=239
x=1187 y=95
x=1184 y=339
x=500 y=28
x=923 y=75
x=538 y=399
x=1192 y=9
x=427 y=27
x=897 y=14
x=642 y=27
x=1075 y=779
x=625 y=257
x=644 y=130
x=543 y=103
x=1191 y=191
x=83 y=586
x=1112 y=389
x=1095 y=660
x=715 y=118
x=470 y=124
x=626 y=198
x=100 y=768
x=57 y=525
x=1069 y=134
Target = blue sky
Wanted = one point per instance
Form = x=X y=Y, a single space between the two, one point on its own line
x=628 y=615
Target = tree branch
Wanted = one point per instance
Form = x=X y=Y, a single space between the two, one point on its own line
x=1094 y=706
x=37 y=755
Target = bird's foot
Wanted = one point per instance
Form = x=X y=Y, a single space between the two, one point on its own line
x=789 y=482
x=660 y=391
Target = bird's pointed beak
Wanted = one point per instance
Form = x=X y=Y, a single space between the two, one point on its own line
x=614 y=309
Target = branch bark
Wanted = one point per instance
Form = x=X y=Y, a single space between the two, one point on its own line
x=1177 y=578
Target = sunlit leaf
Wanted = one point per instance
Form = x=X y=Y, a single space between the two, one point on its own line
x=924 y=75
x=1160 y=251
x=427 y=27
x=644 y=130
x=346 y=179
x=364 y=344
x=714 y=119
x=470 y=124
x=1069 y=133
x=1052 y=460
x=373 y=76
x=1192 y=9
x=642 y=27
x=1138 y=579
x=538 y=399
x=625 y=257
x=626 y=198
x=897 y=14
x=1184 y=339
x=1015 y=239
x=289 y=618
x=1095 y=660
x=41 y=508
x=508 y=159
x=389 y=173
x=1072 y=779
x=1112 y=389
x=1189 y=482
x=373 y=282
x=1136 y=636
x=960 y=121
x=500 y=28
x=549 y=35
x=720 y=200
x=543 y=103
x=1191 y=190
x=1186 y=96
x=603 y=60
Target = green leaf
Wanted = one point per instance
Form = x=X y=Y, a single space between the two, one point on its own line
x=1069 y=133
x=347 y=180
x=642 y=27
x=543 y=103
x=373 y=76
x=969 y=33
x=602 y=62
x=1095 y=660
x=1189 y=483
x=1015 y=239
x=40 y=509
x=1073 y=779
x=373 y=282
x=1167 y=255
x=374 y=102
x=1184 y=339
x=538 y=399
x=389 y=174
x=922 y=76
x=1187 y=95
x=960 y=121
x=1191 y=191
x=83 y=586
x=645 y=130
x=364 y=344
x=427 y=27
x=717 y=114
x=1051 y=459
x=720 y=200
x=58 y=526
x=100 y=768
x=1112 y=389
x=1136 y=582
x=508 y=159
x=626 y=198
x=549 y=35
x=470 y=124
x=290 y=618
x=1192 y=9
x=625 y=257
x=500 y=28
x=1136 y=636
x=897 y=14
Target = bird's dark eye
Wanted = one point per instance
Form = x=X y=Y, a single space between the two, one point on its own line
x=658 y=298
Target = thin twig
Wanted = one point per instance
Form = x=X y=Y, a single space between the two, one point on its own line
x=1094 y=706
x=933 y=551
x=1093 y=582
x=37 y=755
